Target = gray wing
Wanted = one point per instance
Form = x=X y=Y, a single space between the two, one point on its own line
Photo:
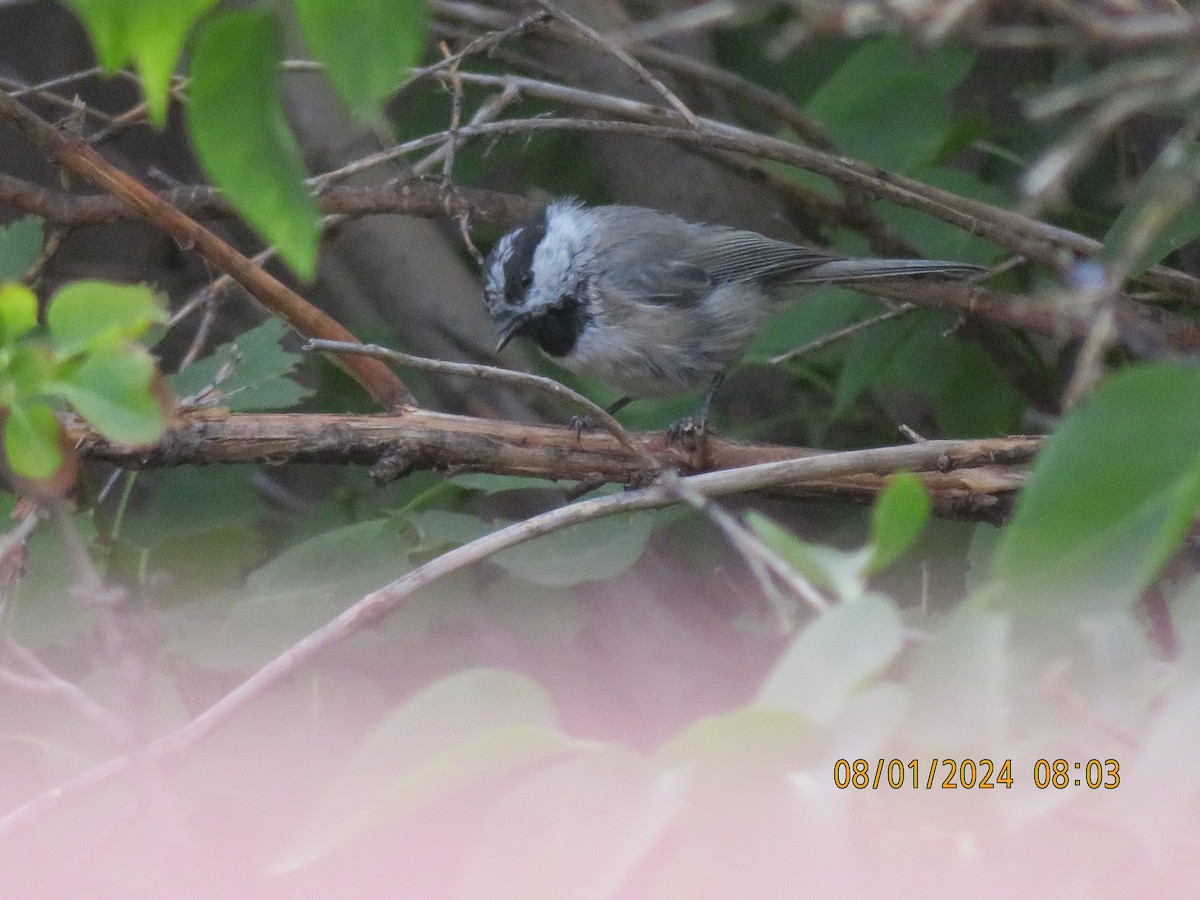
x=730 y=256
x=662 y=259
x=646 y=256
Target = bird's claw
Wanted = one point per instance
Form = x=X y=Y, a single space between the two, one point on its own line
x=580 y=424
x=687 y=432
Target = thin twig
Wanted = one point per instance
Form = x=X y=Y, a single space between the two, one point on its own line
x=623 y=56
x=456 y=108
x=13 y=556
x=487 y=112
x=211 y=293
x=46 y=683
x=52 y=243
x=701 y=16
x=841 y=333
x=775 y=105
x=756 y=553
x=503 y=376
x=483 y=44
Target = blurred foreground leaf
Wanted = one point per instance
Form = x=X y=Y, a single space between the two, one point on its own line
x=1112 y=494
x=467 y=728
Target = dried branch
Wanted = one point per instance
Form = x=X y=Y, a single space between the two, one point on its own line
x=422 y=439
x=78 y=157
x=503 y=376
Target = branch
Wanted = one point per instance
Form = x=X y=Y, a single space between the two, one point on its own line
x=174 y=747
x=75 y=155
x=422 y=439
x=496 y=374
x=415 y=197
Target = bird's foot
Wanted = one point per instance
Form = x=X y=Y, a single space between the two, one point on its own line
x=580 y=424
x=687 y=432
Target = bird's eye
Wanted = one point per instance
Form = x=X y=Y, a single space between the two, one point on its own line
x=526 y=280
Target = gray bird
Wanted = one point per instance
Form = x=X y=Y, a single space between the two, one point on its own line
x=650 y=303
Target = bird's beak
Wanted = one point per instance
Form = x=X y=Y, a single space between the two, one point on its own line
x=509 y=330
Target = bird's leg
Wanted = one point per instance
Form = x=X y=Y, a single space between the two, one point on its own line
x=696 y=424
x=585 y=423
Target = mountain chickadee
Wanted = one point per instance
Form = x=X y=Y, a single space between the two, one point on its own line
x=648 y=302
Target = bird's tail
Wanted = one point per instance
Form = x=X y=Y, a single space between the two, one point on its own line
x=868 y=269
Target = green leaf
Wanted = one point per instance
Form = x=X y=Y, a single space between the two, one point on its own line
x=156 y=33
x=490 y=483
x=843 y=572
x=18 y=312
x=1161 y=217
x=99 y=315
x=840 y=652
x=149 y=32
x=308 y=584
x=44 y=609
x=337 y=565
x=111 y=389
x=1111 y=496
x=241 y=135
x=969 y=394
x=31 y=434
x=770 y=737
x=170 y=509
x=20 y=247
x=898 y=519
x=440 y=529
x=472 y=726
x=107 y=23
x=870 y=356
x=891 y=105
x=367 y=46
x=252 y=369
x=581 y=827
x=824 y=310
x=592 y=551
x=936 y=239
x=959 y=681
x=25 y=368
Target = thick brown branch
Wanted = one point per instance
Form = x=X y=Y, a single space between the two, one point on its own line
x=77 y=156
x=967 y=483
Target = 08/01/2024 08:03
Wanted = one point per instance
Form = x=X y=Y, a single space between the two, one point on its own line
x=980 y=774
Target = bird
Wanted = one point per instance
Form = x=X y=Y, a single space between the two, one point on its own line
x=653 y=304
